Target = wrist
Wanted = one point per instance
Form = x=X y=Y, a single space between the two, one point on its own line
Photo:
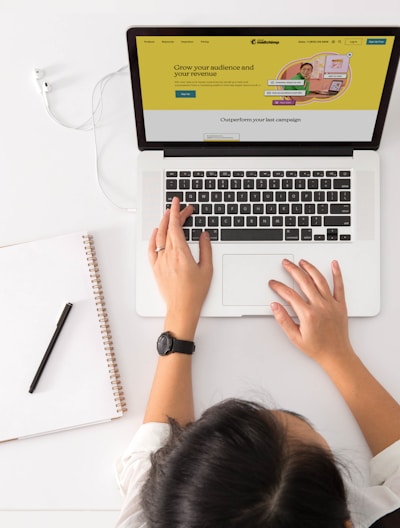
x=181 y=327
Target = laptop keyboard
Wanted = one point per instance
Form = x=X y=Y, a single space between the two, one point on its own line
x=264 y=205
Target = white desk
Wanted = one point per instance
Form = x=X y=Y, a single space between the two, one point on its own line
x=48 y=187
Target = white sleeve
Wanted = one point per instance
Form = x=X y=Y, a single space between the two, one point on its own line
x=385 y=468
x=131 y=471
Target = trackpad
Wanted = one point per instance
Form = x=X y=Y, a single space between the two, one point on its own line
x=245 y=279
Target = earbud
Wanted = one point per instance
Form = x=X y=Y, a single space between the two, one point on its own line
x=43 y=86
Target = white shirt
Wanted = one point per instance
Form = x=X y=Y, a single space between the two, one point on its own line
x=366 y=505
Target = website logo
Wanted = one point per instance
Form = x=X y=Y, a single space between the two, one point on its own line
x=256 y=41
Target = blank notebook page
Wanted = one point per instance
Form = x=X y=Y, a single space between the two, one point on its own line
x=78 y=384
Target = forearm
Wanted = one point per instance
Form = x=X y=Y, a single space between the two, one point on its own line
x=376 y=412
x=171 y=393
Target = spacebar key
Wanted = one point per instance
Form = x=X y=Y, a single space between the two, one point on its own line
x=237 y=235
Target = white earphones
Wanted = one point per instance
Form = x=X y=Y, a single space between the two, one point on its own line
x=43 y=86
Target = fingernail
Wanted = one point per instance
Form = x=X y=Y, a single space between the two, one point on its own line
x=274 y=307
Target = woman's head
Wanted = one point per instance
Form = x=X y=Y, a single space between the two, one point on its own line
x=241 y=465
x=306 y=69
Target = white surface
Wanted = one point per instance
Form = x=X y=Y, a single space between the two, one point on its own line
x=48 y=187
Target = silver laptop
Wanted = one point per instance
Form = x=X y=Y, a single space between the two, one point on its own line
x=227 y=120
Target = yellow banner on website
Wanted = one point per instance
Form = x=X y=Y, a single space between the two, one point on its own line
x=247 y=73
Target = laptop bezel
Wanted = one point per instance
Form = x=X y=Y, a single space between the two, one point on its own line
x=260 y=148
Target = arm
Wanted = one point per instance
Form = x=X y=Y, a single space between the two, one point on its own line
x=322 y=334
x=183 y=284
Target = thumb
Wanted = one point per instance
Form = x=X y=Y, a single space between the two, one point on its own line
x=286 y=322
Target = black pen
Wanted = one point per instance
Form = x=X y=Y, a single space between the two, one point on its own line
x=53 y=340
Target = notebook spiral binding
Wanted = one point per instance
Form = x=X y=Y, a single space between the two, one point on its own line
x=102 y=314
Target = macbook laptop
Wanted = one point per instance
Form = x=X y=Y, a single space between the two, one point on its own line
x=226 y=121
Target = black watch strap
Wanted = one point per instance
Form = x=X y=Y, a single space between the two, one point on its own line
x=167 y=344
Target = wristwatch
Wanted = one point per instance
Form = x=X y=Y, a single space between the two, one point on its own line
x=167 y=344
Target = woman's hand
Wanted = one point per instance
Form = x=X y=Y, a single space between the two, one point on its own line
x=322 y=332
x=182 y=281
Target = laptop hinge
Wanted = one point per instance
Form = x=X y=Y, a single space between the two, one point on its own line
x=259 y=152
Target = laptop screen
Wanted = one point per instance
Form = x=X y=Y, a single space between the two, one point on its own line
x=193 y=85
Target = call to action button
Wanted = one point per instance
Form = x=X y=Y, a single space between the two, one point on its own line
x=376 y=41
x=185 y=94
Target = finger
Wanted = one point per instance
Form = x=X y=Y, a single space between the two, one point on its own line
x=288 y=294
x=185 y=213
x=338 y=285
x=175 y=231
x=319 y=280
x=205 y=253
x=303 y=279
x=161 y=235
x=287 y=324
x=152 y=247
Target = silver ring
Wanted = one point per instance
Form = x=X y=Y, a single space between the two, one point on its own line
x=159 y=248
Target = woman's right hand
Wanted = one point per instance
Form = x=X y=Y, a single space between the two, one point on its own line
x=322 y=332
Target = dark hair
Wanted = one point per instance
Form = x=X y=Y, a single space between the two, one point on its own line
x=237 y=467
x=306 y=64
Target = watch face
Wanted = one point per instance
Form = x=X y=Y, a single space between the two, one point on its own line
x=164 y=344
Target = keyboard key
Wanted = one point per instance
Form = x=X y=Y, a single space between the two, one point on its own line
x=292 y=234
x=229 y=196
x=210 y=184
x=264 y=221
x=236 y=184
x=306 y=234
x=274 y=184
x=171 y=195
x=336 y=220
x=341 y=184
x=196 y=234
x=216 y=196
x=332 y=234
x=277 y=221
x=171 y=184
x=340 y=208
x=251 y=221
x=248 y=184
x=214 y=235
x=226 y=221
x=233 y=209
x=197 y=184
x=258 y=234
x=293 y=196
x=290 y=221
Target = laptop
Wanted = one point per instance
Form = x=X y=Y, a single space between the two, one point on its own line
x=334 y=88
x=224 y=121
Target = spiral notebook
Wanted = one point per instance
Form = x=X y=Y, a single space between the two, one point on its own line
x=80 y=384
